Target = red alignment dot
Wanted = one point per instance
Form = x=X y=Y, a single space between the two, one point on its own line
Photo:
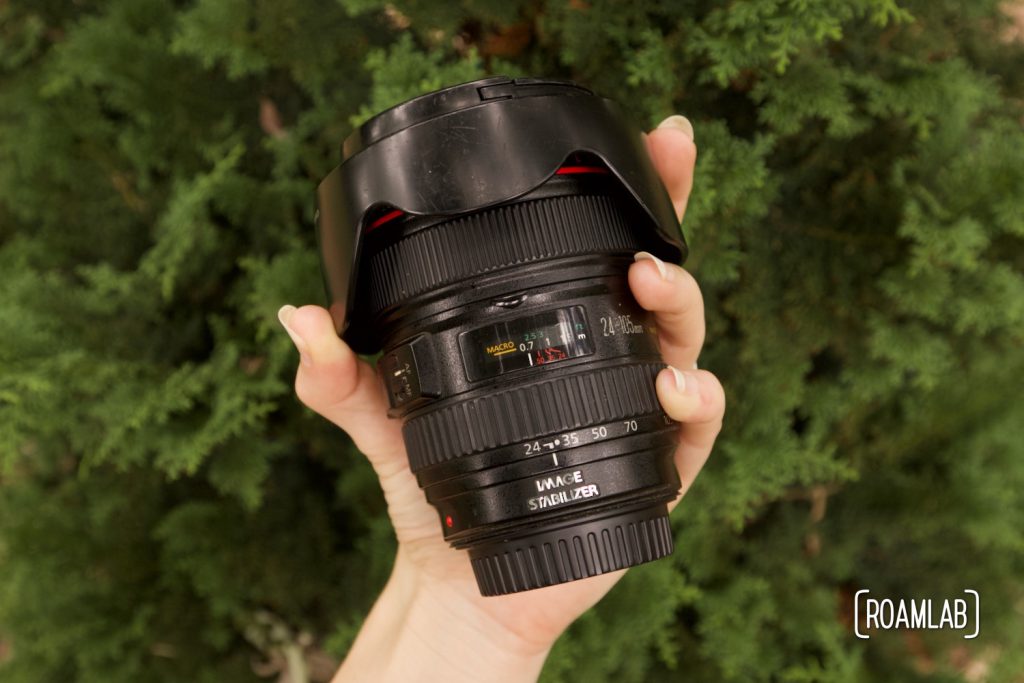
x=448 y=521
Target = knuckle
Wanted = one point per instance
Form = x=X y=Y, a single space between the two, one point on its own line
x=716 y=394
x=304 y=390
x=715 y=430
x=689 y=287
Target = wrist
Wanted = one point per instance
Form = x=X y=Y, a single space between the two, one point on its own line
x=420 y=631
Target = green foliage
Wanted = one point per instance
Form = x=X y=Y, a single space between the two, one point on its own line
x=856 y=225
x=403 y=71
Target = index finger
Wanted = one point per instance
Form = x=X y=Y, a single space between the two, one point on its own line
x=674 y=297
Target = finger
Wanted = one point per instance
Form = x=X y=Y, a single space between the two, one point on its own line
x=694 y=398
x=672 y=294
x=674 y=156
x=335 y=383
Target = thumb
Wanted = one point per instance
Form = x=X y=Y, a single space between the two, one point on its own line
x=335 y=383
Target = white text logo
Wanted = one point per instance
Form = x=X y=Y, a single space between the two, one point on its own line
x=958 y=614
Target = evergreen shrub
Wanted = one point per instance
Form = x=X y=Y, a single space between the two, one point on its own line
x=169 y=511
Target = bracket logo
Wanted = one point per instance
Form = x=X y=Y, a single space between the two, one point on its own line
x=958 y=614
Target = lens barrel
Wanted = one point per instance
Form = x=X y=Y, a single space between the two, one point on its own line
x=520 y=364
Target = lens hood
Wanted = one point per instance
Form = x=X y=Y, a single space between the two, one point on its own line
x=463 y=149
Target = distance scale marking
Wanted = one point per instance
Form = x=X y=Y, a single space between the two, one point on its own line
x=526 y=342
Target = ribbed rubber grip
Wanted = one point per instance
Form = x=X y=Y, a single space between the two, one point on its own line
x=527 y=412
x=489 y=240
x=588 y=549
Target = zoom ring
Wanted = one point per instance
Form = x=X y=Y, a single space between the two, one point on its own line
x=490 y=240
x=528 y=412
x=559 y=557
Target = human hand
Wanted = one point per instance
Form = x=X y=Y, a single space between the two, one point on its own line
x=431 y=621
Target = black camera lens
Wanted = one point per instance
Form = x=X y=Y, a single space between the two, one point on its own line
x=479 y=237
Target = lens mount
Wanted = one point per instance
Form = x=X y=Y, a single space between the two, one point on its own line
x=578 y=549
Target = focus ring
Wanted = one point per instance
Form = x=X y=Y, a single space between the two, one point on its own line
x=489 y=240
x=589 y=549
x=531 y=411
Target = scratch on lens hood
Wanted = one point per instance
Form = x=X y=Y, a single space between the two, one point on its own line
x=465 y=148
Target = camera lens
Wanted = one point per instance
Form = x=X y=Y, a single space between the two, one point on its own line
x=479 y=238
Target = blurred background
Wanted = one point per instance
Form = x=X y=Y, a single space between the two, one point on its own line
x=170 y=512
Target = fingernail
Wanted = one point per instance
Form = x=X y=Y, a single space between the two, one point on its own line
x=284 y=315
x=686 y=382
x=663 y=270
x=679 y=122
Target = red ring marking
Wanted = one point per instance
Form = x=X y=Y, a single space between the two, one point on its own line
x=569 y=170
x=391 y=215
x=564 y=170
